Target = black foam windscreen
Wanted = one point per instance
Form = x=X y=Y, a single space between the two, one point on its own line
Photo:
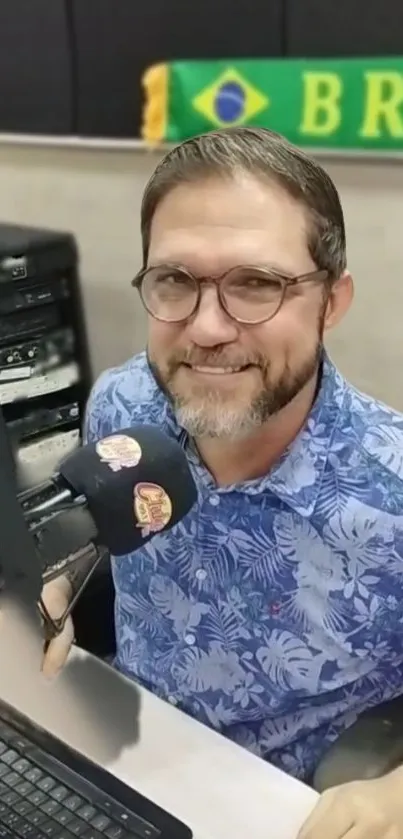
x=137 y=482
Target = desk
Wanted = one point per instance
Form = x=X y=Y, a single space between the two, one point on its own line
x=182 y=765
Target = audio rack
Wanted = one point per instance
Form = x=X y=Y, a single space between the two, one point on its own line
x=45 y=373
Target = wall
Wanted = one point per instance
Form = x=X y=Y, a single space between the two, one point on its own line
x=96 y=193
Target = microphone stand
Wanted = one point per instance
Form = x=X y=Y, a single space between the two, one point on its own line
x=54 y=626
x=21 y=521
x=49 y=522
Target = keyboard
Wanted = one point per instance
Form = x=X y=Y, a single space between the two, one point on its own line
x=48 y=790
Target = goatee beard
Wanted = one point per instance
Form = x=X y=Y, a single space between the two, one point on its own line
x=211 y=418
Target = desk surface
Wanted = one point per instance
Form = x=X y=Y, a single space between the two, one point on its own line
x=183 y=766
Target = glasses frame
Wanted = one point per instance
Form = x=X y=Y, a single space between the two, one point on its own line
x=319 y=275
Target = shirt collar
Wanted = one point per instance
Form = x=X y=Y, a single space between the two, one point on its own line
x=297 y=477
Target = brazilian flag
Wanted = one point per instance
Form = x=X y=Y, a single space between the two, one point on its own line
x=345 y=103
x=187 y=98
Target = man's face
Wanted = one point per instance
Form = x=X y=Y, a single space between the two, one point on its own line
x=225 y=378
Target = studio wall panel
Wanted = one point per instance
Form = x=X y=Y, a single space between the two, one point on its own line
x=346 y=28
x=35 y=67
x=115 y=42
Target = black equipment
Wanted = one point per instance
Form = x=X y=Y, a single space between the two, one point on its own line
x=45 y=374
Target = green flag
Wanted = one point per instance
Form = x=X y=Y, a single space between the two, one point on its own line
x=354 y=103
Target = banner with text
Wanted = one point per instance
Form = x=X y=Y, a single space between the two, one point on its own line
x=329 y=103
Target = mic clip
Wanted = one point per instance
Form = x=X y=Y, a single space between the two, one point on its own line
x=66 y=543
x=90 y=553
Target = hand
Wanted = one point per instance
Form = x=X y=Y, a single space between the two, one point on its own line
x=359 y=810
x=56 y=596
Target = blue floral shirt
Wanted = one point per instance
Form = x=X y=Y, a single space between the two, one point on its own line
x=274 y=611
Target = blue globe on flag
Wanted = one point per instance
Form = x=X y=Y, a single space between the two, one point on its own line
x=230 y=100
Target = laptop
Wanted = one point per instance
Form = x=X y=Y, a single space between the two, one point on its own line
x=49 y=790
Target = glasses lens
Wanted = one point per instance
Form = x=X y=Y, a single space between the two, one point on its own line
x=169 y=293
x=251 y=295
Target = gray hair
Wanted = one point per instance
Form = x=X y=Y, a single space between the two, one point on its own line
x=259 y=152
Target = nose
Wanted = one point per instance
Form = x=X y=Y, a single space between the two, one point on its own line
x=211 y=325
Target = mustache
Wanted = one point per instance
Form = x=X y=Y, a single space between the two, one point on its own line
x=217 y=358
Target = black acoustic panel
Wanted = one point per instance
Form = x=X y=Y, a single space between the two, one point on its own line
x=346 y=28
x=35 y=67
x=116 y=41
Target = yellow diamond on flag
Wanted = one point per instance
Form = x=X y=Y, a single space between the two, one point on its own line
x=231 y=100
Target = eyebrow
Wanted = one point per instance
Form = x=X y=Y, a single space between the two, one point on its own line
x=270 y=267
x=275 y=268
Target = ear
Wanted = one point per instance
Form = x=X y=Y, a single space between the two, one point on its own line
x=339 y=300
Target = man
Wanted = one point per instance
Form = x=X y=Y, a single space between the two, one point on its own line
x=274 y=611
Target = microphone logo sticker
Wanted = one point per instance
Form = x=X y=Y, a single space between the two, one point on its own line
x=152 y=508
x=119 y=452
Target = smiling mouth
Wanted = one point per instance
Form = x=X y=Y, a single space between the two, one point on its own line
x=216 y=371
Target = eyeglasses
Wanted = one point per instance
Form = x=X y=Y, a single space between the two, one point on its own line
x=248 y=295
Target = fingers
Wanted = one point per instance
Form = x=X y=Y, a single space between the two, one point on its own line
x=56 y=597
x=58 y=590
x=364 y=829
x=57 y=651
x=345 y=812
x=328 y=819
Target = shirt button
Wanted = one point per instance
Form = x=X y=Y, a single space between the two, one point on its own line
x=172 y=700
x=190 y=639
x=214 y=500
x=201 y=574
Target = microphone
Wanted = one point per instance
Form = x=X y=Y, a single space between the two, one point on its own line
x=115 y=494
x=124 y=488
